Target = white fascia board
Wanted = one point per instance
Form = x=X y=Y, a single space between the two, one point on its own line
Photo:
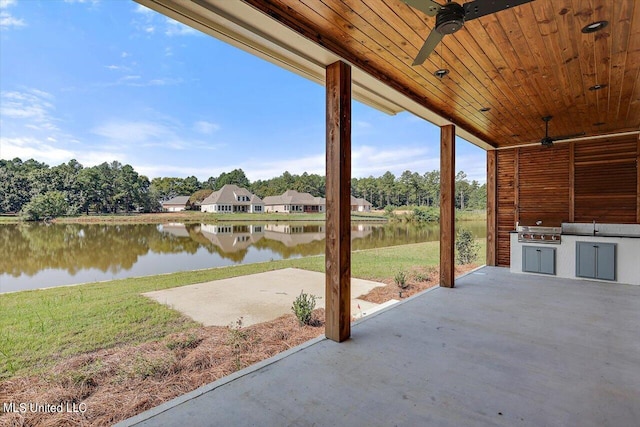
x=246 y=28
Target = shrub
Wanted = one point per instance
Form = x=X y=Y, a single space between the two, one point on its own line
x=421 y=277
x=426 y=214
x=401 y=280
x=48 y=205
x=303 y=307
x=466 y=247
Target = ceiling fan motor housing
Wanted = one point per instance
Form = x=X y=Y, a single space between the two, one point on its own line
x=450 y=18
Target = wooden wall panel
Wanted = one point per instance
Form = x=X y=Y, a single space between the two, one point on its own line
x=543 y=185
x=506 y=204
x=606 y=181
x=595 y=180
x=492 y=208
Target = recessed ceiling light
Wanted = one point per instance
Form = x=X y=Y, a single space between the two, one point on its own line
x=597 y=87
x=441 y=73
x=484 y=110
x=594 y=26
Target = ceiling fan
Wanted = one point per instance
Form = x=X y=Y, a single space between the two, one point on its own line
x=547 y=141
x=451 y=17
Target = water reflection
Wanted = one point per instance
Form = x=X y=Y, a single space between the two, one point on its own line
x=38 y=255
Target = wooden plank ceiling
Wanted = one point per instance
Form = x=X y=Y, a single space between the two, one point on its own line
x=522 y=63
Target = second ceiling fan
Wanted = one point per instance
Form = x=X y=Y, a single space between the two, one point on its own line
x=451 y=17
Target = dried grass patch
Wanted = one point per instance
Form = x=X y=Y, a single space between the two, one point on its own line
x=121 y=382
x=418 y=279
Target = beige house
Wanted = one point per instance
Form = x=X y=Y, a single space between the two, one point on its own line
x=231 y=199
x=177 y=204
x=292 y=201
x=360 y=205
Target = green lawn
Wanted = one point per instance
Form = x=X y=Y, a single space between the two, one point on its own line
x=39 y=327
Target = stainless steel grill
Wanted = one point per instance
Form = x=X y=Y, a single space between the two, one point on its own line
x=539 y=234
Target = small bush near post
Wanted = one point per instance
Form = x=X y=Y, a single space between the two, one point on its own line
x=401 y=280
x=466 y=247
x=303 y=307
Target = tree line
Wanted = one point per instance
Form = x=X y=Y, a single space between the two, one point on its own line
x=37 y=190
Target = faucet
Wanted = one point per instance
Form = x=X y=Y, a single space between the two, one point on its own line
x=594 y=227
x=538 y=222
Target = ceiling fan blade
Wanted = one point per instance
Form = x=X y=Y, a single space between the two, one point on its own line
x=428 y=7
x=478 y=8
x=428 y=46
x=575 y=135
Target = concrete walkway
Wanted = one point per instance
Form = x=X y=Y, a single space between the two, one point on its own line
x=500 y=349
x=256 y=298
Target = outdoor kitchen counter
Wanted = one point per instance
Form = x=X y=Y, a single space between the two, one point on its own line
x=627 y=254
x=623 y=236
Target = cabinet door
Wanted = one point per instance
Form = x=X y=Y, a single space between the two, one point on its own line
x=547 y=260
x=606 y=261
x=530 y=259
x=538 y=260
x=586 y=259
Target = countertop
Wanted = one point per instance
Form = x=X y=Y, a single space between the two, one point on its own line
x=626 y=236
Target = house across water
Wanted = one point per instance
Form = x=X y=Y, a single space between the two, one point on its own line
x=231 y=198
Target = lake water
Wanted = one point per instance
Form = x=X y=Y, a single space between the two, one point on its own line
x=38 y=255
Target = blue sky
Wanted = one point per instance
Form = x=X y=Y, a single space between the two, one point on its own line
x=103 y=80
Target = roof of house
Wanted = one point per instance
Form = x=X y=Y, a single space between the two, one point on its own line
x=292 y=197
x=359 y=202
x=178 y=200
x=228 y=195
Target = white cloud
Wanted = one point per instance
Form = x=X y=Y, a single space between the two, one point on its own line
x=114 y=67
x=133 y=131
x=367 y=160
x=143 y=10
x=474 y=166
x=156 y=170
x=125 y=55
x=166 y=81
x=28 y=147
x=206 y=128
x=265 y=169
x=175 y=28
x=7 y=20
x=32 y=106
x=138 y=81
x=162 y=133
x=150 y=22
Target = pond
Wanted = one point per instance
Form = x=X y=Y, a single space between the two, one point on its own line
x=39 y=255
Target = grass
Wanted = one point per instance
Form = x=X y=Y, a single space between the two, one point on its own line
x=9 y=219
x=477 y=215
x=37 y=328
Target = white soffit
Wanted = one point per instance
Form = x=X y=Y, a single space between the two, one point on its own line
x=246 y=28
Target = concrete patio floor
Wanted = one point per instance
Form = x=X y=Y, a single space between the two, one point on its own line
x=500 y=349
x=256 y=298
